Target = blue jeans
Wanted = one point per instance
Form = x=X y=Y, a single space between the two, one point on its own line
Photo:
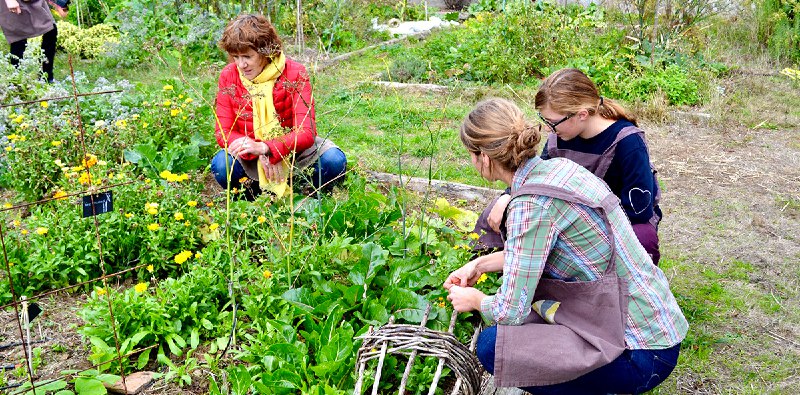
x=633 y=372
x=327 y=171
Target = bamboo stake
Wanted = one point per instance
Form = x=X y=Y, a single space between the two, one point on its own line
x=413 y=355
x=439 y=368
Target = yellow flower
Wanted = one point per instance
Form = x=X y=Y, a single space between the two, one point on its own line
x=473 y=236
x=89 y=160
x=175 y=112
x=183 y=256
x=122 y=124
x=128 y=215
x=165 y=174
x=167 y=103
x=145 y=125
x=149 y=268
x=213 y=226
x=9 y=148
x=178 y=216
x=267 y=274
x=191 y=203
x=198 y=255
x=154 y=226
x=482 y=278
x=242 y=180
x=7 y=205
x=167 y=87
x=41 y=231
x=16 y=223
x=261 y=219
x=19 y=118
x=187 y=223
x=55 y=143
x=84 y=178
x=100 y=291
x=44 y=104
x=141 y=287
x=152 y=211
x=60 y=195
x=210 y=204
x=24 y=232
x=188 y=100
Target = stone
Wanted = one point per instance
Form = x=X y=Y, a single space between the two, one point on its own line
x=134 y=382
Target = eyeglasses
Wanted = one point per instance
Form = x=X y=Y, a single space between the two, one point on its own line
x=553 y=125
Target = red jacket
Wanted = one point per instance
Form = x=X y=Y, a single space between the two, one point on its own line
x=294 y=106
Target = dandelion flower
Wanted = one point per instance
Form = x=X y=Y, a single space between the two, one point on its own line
x=191 y=203
x=128 y=215
x=482 y=278
x=121 y=123
x=261 y=219
x=473 y=236
x=41 y=231
x=167 y=103
x=267 y=274
x=183 y=256
x=213 y=226
x=141 y=287
x=198 y=255
x=9 y=148
x=242 y=180
x=154 y=226
x=210 y=204
x=60 y=195
x=167 y=87
x=152 y=211
x=7 y=205
x=84 y=178
x=149 y=268
x=100 y=291
x=188 y=100
x=44 y=104
x=178 y=216
x=187 y=223
x=24 y=232
x=16 y=223
x=55 y=143
x=175 y=112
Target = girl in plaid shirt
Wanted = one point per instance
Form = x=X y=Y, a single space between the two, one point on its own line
x=552 y=238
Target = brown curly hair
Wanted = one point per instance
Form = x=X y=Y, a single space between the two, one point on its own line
x=498 y=128
x=251 y=31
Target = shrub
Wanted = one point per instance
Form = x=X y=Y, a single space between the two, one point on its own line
x=779 y=27
x=86 y=43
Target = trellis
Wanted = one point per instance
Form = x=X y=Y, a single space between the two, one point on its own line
x=22 y=304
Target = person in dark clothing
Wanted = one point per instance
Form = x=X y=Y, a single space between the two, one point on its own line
x=21 y=20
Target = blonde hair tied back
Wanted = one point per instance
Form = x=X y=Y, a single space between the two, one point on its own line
x=498 y=128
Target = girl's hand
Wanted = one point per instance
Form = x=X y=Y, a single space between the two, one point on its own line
x=13 y=6
x=465 y=276
x=495 y=217
x=465 y=299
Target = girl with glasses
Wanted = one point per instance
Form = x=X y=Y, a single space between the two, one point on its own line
x=603 y=137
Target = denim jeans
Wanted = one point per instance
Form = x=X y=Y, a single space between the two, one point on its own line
x=327 y=171
x=633 y=372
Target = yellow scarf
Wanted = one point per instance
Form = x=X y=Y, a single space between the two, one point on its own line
x=265 y=124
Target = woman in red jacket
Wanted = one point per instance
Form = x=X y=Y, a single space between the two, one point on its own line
x=265 y=116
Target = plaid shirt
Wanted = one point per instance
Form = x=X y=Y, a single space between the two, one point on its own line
x=557 y=239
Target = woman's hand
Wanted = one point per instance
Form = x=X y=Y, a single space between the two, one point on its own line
x=246 y=145
x=495 y=217
x=274 y=173
x=465 y=276
x=13 y=6
x=465 y=298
